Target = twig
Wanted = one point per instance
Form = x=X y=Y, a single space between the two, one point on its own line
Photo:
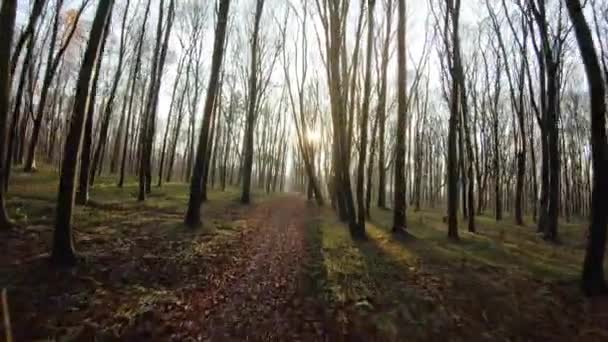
x=7 y=318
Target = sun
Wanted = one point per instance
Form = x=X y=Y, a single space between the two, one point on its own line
x=313 y=136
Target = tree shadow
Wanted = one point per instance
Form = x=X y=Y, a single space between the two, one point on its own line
x=484 y=288
x=314 y=281
x=401 y=308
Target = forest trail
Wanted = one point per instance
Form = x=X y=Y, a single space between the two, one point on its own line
x=146 y=277
x=260 y=296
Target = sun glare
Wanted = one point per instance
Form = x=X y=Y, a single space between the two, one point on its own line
x=313 y=136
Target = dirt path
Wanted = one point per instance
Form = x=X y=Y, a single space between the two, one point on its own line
x=143 y=277
x=260 y=296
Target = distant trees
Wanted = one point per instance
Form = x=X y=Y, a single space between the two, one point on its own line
x=135 y=76
x=148 y=123
x=108 y=111
x=399 y=216
x=301 y=111
x=501 y=129
x=58 y=45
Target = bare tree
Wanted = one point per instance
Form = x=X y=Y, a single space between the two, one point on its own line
x=251 y=107
x=399 y=215
x=193 y=215
x=7 y=26
x=364 y=119
x=63 y=244
x=53 y=61
x=593 y=282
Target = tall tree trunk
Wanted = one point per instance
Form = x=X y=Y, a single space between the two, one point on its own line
x=193 y=215
x=109 y=108
x=149 y=110
x=169 y=116
x=370 y=168
x=211 y=139
x=364 y=121
x=7 y=26
x=148 y=127
x=49 y=74
x=82 y=194
x=550 y=232
x=16 y=118
x=134 y=77
x=251 y=109
x=382 y=107
x=63 y=244
x=453 y=9
x=593 y=282
x=399 y=218
x=27 y=34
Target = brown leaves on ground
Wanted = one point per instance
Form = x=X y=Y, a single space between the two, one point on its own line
x=279 y=270
x=143 y=276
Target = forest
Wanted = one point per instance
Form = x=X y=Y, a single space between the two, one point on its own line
x=303 y=170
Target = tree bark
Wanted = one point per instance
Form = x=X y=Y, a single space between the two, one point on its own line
x=452 y=162
x=593 y=282
x=364 y=121
x=251 y=113
x=399 y=217
x=82 y=194
x=63 y=244
x=109 y=108
x=52 y=65
x=7 y=26
x=382 y=108
x=193 y=215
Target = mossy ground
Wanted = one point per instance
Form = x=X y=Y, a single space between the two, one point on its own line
x=134 y=257
x=502 y=283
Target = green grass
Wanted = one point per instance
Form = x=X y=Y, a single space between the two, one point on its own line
x=500 y=244
x=32 y=201
x=132 y=255
x=503 y=283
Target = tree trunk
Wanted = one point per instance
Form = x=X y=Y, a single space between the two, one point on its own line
x=134 y=78
x=52 y=65
x=7 y=26
x=364 y=121
x=452 y=160
x=550 y=232
x=193 y=215
x=14 y=128
x=593 y=282
x=251 y=114
x=63 y=244
x=106 y=117
x=399 y=217
x=382 y=108
x=27 y=34
x=82 y=194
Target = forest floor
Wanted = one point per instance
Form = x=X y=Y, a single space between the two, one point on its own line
x=282 y=270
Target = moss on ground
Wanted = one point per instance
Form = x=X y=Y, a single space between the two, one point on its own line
x=503 y=283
